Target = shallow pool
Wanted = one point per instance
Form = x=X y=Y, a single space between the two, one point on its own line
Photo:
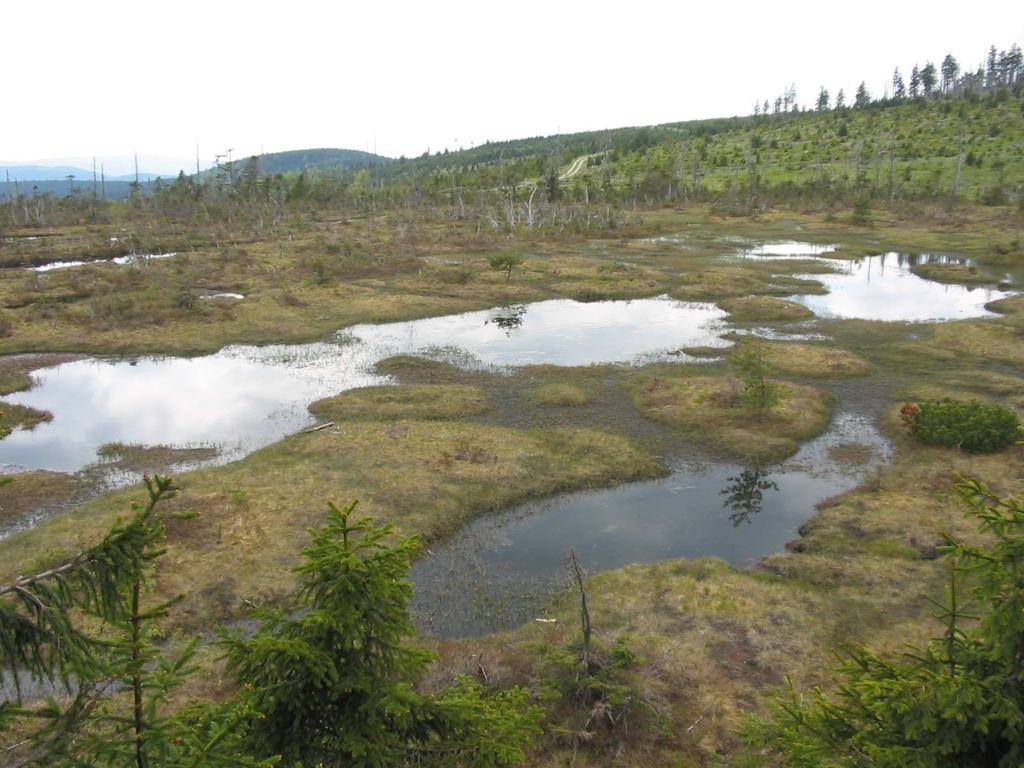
x=133 y=259
x=502 y=570
x=244 y=397
x=882 y=286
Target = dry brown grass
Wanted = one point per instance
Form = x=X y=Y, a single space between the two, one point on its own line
x=565 y=395
x=319 y=273
x=719 y=281
x=751 y=309
x=27 y=492
x=298 y=286
x=850 y=454
x=815 y=360
x=411 y=401
x=15 y=370
x=711 y=406
x=1000 y=340
x=1011 y=305
x=953 y=273
x=151 y=458
x=427 y=478
x=13 y=416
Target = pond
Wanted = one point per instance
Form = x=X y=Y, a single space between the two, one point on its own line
x=788 y=249
x=502 y=570
x=244 y=397
x=223 y=295
x=131 y=259
x=883 y=286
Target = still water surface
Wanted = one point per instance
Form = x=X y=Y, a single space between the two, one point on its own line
x=502 y=570
x=133 y=259
x=244 y=397
x=882 y=286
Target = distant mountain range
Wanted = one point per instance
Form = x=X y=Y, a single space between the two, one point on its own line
x=114 y=166
x=112 y=189
x=61 y=173
x=53 y=178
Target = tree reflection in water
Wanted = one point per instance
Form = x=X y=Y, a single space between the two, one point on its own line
x=745 y=494
x=508 y=318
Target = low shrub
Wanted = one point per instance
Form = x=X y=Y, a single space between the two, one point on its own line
x=973 y=426
x=505 y=261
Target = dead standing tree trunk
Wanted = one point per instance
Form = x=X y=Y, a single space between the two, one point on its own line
x=529 y=207
x=577 y=574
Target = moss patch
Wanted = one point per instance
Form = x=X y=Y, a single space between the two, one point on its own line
x=735 y=281
x=38 y=490
x=710 y=405
x=565 y=395
x=151 y=458
x=409 y=401
x=749 y=309
x=15 y=369
x=848 y=253
x=850 y=454
x=953 y=273
x=1011 y=305
x=14 y=416
x=815 y=360
x=417 y=370
x=991 y=339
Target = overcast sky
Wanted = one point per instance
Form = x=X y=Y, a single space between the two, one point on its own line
x=109 y=78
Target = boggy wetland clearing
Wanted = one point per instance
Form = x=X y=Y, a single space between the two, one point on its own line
x=589 y=399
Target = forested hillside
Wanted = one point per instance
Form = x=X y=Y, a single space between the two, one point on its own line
x=316 y=159
x=942 y=134
x=959 y=147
